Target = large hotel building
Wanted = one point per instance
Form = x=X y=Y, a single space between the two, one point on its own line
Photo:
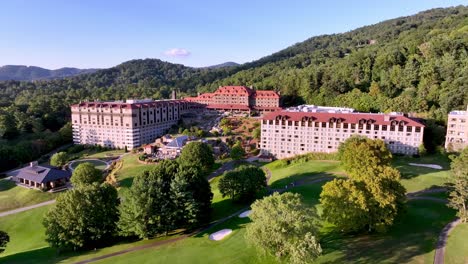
x=457 y=131
x=124 y=124
x=239 y=98
x=288 y=133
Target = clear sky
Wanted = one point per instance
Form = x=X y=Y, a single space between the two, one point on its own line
x=104 y=33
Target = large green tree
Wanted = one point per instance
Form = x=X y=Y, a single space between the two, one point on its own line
x=167 y=197
x=283 y=226
x=360 y=153
x=59 y=159
x=84 y=174
x=84 y=217
x=197 y=153
x=459 y=194
x=243 y=184
x=372 y=197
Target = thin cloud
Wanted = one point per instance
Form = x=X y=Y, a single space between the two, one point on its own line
x=177 y=52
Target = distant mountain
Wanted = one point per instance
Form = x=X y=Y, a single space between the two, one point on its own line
x=31 y=73
x=223 y=65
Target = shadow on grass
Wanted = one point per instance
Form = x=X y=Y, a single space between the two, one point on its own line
x=127 y=182
x=225 y=208
x=300 y=178
x=414 y=234
x=233 y=223
x=6 y=185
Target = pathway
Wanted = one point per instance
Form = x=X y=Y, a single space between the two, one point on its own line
x=439 y=255
x=22 y=209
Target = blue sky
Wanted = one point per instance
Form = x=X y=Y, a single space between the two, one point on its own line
x=102 y=33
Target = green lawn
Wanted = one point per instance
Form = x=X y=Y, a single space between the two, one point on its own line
x=456 y=251
x=27 y=241
x=222 y=207
x=411 y=240
x=285 y=175
x=131 y=168
x=12 y=196
x=419 y=178
x=106 y=154
x=98 y=164
x=25 y=230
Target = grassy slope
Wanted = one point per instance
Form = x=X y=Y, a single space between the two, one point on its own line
x=12 y=196
x=411 y=240
x=285 y=175
x=130 y=169
x=419 y=178
x=100 y=165
x=457 y=247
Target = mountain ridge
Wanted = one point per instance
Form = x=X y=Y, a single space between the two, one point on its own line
x=33 y=73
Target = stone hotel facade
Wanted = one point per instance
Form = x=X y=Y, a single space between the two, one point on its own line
x=457 y=131
x=124 y=124
x=239 y=98
x=285 y=134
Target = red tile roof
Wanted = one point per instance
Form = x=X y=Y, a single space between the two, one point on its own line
x=238 y=90
x=351 y=118
x=127 y=105
x=266 y=94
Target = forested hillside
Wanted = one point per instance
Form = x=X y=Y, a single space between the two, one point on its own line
x=411 y=64
x=30 y=73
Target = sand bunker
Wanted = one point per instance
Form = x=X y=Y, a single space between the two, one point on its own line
x=245 y=214
x=220 y=234
x=432 y=166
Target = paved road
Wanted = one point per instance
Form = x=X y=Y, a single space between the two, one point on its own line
x=22 y=209
x=442 y=241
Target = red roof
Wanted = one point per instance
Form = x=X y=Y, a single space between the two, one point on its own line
x=350 y=118
x=271 y=108
x=266 y=94
x=238 y=90
x=228 y=106
x=127 y=105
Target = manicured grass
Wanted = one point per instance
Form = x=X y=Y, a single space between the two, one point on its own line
x=27 y=241
x=25 y=230
x=131 y=168
x=456 y=251
x=222 y=207
x=12 y=196
x=199 y=249
x=98 y=164
x=411 y=240
x=107 y=154
x=285 y=175
x=416 y=178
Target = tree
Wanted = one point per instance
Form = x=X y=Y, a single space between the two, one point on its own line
x=85 y=173
x=167 y=197
x=284 y=227
x=459 y=195
x=84 y=217
x=199 y=154
x=256 y=133
x=59 y=159
x=370 y=201
x=237 y=152
x=4 y=239
x=358 y=153
x=7 y=126
x=422 y=150
x=243 y=184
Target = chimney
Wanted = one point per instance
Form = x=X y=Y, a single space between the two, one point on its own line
x=33 y=164
x=386 y=118
x=174 y=95
x=198 y=94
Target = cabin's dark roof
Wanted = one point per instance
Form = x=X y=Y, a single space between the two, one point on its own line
x=42 y=174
